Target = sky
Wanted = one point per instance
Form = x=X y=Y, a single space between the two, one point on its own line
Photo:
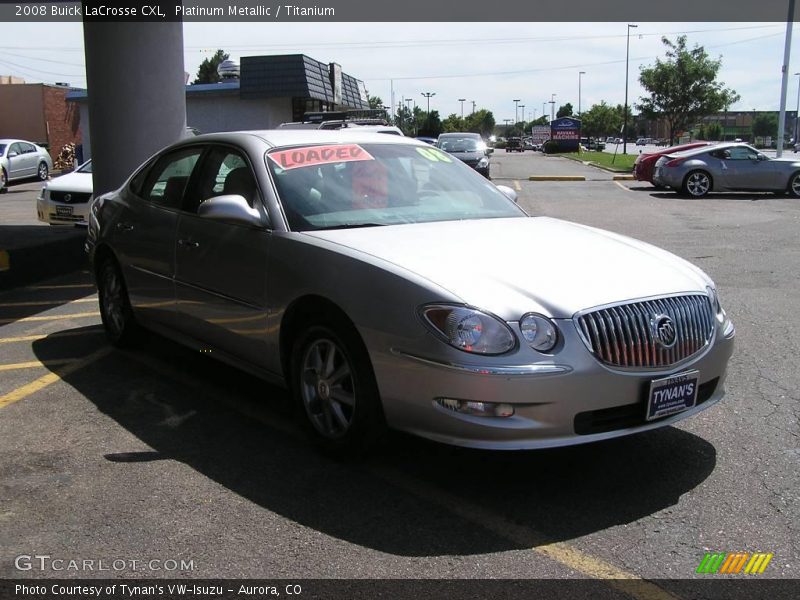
x=490 y=63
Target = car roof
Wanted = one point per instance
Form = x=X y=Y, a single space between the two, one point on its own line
x=709 y=148
x=294 y=137
x=460 y=134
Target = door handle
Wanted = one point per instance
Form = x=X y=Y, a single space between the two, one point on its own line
x=188 y=243
x=124 y=226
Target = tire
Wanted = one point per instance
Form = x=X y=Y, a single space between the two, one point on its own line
x=793 y=189
x=3 y=181
x=335 y=390
x=120 y=325
x=697 y=184
x=42 y=172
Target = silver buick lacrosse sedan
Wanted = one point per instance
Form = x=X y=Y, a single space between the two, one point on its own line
x=387 y=284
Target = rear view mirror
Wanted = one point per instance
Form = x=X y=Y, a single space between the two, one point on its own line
x=508 y=192
x=230 y=208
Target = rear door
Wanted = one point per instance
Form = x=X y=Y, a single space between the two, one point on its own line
x=143 y=234
x=16 y=163
x=221 y=267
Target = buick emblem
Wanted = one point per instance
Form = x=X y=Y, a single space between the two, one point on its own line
x=664 y=331
x=67 y=197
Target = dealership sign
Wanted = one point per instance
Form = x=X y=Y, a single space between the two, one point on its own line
x=567 y=132
x=540 y=133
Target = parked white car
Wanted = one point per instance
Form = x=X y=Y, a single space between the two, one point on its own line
x=66 y=200
x=20 y=160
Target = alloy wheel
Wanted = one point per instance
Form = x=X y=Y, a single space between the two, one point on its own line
x=112 y=300
x=698 y=184
x=327 y=388
x=43 y=171
x=795 y=186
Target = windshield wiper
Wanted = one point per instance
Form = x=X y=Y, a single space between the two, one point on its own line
x=349 y=226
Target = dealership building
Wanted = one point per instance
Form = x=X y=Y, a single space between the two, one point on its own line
x=268 y=91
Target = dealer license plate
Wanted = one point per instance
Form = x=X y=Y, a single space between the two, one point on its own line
x=64 y=211
x=672 y=395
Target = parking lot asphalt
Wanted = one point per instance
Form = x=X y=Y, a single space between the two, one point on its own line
x=162 y=453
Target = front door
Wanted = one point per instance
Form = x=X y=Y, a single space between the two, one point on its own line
x=221 y=267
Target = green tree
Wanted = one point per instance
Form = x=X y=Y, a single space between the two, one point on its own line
x=714 y=132
x=565 y=110
x=683 y=88
x=481 y=121
x=765 y=124
x=374 y=101
x=601 y=120
x=207 y=72
x=453 y=123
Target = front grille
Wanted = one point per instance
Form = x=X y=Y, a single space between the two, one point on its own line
x=629 y=415
x=624 y=335
x=74 y=197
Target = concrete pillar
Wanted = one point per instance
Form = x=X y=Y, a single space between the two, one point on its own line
x=137 y=100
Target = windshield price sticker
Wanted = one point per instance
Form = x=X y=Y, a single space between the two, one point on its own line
x=434 y=155
x=318 y=155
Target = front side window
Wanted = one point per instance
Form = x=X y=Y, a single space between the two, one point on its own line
x=15 y=148
x=743 y=153
x=225 y=171
x=166 y=181
x=358 y=185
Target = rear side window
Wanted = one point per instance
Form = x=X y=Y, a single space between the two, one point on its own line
x=165 y=183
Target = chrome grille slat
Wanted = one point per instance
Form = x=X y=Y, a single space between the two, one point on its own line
x=622 y=335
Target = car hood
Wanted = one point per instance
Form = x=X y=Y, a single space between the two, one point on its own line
x=512 y=266
x=468 y=155
x=71 y=182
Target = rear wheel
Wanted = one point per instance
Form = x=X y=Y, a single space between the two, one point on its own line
x=115 y=307
x=697 y=184
x=794 y=185
x=335 y=389
x=43 y=171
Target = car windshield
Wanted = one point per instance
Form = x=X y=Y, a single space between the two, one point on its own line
x=358 y=185
x=85 y=167
x=461 y=145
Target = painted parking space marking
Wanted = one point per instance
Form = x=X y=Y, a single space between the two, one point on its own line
x=83 y=315
x=624 y=187
x=48 y=302
x=60 y=287
x=34 y=364
x=39 y=384
x=58 y=334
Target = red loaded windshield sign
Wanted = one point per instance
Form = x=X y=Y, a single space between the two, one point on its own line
x=318 y=155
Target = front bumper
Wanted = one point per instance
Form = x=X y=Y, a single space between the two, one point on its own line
x=568 y=398
x=60 y=213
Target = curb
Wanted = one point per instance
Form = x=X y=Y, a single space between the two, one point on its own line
x=557 y=178
x=21 y=266
x=622 y=178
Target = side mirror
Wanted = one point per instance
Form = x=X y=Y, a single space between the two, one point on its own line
x=508 y=192
x=13 y=153
x=762 y=157
x=230 y=208
x=489 y=151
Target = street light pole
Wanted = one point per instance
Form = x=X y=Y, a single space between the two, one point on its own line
x=411 y=114
x=428 y=116
x=522 y=106
x=516 y=114
x=544 y=109
x=625 y=113
x=579 y=91
x=797 y=111
x=462 y=100
x=552 y=107
x=473 y=108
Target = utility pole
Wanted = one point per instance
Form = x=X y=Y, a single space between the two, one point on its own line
x=625 y=113
x=473 y=108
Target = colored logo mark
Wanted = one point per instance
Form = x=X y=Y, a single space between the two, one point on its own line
x=722 y=563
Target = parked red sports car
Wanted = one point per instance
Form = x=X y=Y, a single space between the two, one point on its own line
x=645 y=163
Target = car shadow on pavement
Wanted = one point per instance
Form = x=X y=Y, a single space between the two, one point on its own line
x=27 y=301
x=410 y=498
x=742 y=196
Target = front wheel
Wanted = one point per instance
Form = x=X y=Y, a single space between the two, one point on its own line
x=335 y=388
x=43 y=171
x=115 y=307
x=697 y=184
x=794 y=185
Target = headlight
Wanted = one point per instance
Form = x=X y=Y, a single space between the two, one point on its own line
x=484 y=162
x=715 y=303
x=540 y=332
x=469 y=329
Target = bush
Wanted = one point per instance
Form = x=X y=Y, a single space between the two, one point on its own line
x=550 y=147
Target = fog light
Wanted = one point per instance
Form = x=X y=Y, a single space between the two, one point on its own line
x=475 y=408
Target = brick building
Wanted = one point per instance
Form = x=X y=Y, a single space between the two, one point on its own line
x=39 y=113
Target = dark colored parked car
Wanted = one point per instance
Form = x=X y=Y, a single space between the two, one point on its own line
x=469 y=148
x=646 y=162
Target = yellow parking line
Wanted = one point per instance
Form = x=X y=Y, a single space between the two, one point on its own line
x=517 y=186
x=49 y=302
x=624 y=187
x=50 y=318
x=41 y=336
x=39 y=384
x=561 y=552
x=33 y=364
x=60 y=287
